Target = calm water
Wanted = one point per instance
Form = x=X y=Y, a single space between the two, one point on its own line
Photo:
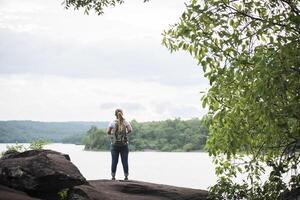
x=193 y=170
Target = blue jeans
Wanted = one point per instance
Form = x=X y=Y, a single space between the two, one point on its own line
x=117 y=150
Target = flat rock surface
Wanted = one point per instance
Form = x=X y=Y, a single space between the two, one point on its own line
x=11 y=194
x=133 y=190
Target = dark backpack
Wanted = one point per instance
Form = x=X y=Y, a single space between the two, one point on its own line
x=119 y=137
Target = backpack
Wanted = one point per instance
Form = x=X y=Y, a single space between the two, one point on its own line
x=119 y=137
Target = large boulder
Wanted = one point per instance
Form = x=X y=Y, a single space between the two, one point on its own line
x=39 y=172
x=133 y=190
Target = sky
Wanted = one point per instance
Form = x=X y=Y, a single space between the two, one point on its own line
x=62 y=65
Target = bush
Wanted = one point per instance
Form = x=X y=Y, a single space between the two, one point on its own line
x=14 y=149
x=38 y=144
x=18 y=148
x=188 y=147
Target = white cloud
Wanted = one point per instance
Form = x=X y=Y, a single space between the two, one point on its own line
x=54 y=98
x=128 y=106
x=142 y=19
x=138 y=60
x=62 y=65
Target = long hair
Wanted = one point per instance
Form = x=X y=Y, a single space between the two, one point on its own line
x=120 y=119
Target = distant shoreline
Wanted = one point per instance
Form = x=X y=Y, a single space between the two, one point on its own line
x=94 y=150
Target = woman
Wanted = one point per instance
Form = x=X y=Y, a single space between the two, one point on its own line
x=118 y=130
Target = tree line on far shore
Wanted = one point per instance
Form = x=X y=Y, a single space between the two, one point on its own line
x=168 y=135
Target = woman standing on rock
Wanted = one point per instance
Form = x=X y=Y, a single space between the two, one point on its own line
x=118 y=130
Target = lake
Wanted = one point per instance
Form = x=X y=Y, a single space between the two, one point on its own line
x=184 y=169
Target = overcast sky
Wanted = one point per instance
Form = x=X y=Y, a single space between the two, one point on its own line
x=62 y=65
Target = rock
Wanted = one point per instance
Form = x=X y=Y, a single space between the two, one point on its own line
x=45 y=173
x=292 y=195
x=11 y=194
x=33 y=153
x=133 y=190
x=39 y=172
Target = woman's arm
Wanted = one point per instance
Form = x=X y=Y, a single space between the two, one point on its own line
x=128 y=127
x=109 y=129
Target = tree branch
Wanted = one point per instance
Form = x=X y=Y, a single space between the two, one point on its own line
x=293 y=7
x=257 y=18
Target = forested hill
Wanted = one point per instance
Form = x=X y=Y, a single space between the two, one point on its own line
x=168 y=135
x=26 y=131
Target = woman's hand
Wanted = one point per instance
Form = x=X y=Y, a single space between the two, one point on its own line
x=109 y=131
x=129 y=129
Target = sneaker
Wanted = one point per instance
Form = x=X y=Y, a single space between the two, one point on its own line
x=126 y=179
x=113 y=178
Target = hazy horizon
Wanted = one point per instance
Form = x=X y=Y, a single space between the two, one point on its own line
x=67 y=121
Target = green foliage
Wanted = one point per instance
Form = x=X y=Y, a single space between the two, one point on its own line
x=89 y=5
x=274 y=188
x=188 y=147
x=14 y=148
x=74 y=139
x=169 y=135
x=38 y=144
x=63 y=194
x=18 y=148
x=96 y=139
x=250 y=52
